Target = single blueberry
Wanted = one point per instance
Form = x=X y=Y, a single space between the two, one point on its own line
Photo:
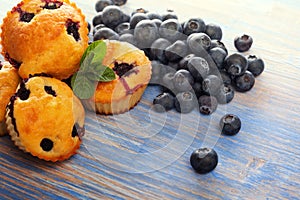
x=163 y=102
x=112 y=16
x=244 y=82
x=204 y=160
x=145 y=33
x=106 y=33
x=185 y=102
x=183 y=81
x=235 y=64
x=255 y=65
x=212 y=84
x=101 y=4
x=193 y=25
x=199 y=43
x=198 y=67
x=136 y=18
x=225 y=95
x=214 y=31
x=230 y=124
x=97 y=19
x=171 y=30
x=243 y=43
x=207 y=104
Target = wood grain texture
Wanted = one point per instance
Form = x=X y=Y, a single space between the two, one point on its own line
x=261 y=162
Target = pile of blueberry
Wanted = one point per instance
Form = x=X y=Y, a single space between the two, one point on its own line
x=189 y=62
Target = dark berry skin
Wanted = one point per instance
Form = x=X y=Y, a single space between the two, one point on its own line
x=214 y=31
x=218 y=43
x=184 y=61
x=119 y=2
x=207 y=104
x=158 y=49
x=243 y=43
x=199 y=43
x=127 y=37
x=97 y=19
x=167 y=82
x=106 y=33
x=163 y=102
x=112 y=16
x=176 y=51
x=157 y=22
x=145 y=33
x=152 y=15
x=197 y=87
x=244 y=82
x=255 y=65
x=230 y=124
x=218 y=55
x=204 y=160
x=235 y=64
x=169 y=14
x=211 y=84
x=101 y=4
x=193 y=25
x=198 y=67
x=46 y=144
x=225 y=78
x=123 y=28
x=97 y=27
x=183 y=80
x=136 y=18
x=171 y=30
x=225 y=95
x=185 y=102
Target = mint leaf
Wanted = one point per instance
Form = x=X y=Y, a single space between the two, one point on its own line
x=91 y=71
x=98 y=48
x=83 y=87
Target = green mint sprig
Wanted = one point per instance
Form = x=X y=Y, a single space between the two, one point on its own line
x=84 y=82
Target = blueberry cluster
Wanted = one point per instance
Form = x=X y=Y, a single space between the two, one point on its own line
x=189 y=61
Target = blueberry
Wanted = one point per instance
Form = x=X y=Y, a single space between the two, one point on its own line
x=176 y=51
x=152 y=15
x=136 y=18
x=123 y=28
x=204 y=160
x=23 y=93
x=97 y=19
x=198 y=68
x=119 y=2
x=211 y=84
x=169 y=14
x=243 y=43
x=112 y=16
x=171 y=30
x=193 y=25
x=199 y=43
x=183 y=81
x=157 y=22
x=122 y=68
x=168 y=83
x=158 y=49
x=214 y=31
x=97 y=27
x=50 y=90
x=139 y=10
x=218 y=55
x=145 y=33
x=225 y=95
x=163 y=102
x=218 y=43
x=126 y=17
x=106 y=33
x=225 y=77
x=26 y=17
x=230 y=124
x=72 y=29
x=235 y=64
x=184 y=61
x=127 y=37
x=255 y=65
x=197 y=87
x=185 y=102
x=89 y=26
x=244 y=82
x=207 y=104
x=46 y=144
x=101 y=4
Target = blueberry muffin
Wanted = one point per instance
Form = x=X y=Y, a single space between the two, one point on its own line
x=9 y=81
x=44 y=36
x=133 y=72
x=46 y=119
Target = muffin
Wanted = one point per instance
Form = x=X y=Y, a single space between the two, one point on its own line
x=44 y=37
x=133 y=72
x=9 y=81
x=45 y=119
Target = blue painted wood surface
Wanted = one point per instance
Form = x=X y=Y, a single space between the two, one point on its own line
x=145 y=155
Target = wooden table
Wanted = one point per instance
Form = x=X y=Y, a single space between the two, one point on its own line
x=131 y=157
